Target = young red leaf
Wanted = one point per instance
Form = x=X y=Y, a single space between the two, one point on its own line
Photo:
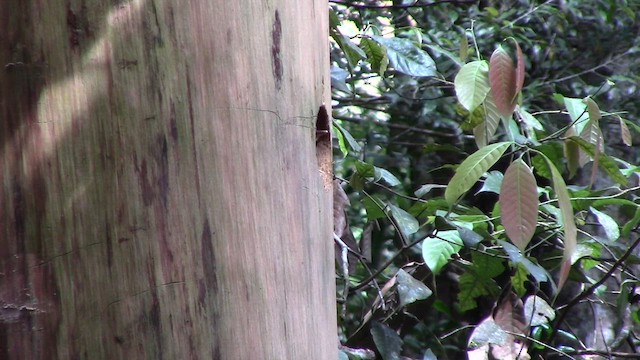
x=625 y=134
x=519 y=203
x=509 y=316
x=519 y=69
x=502 y=79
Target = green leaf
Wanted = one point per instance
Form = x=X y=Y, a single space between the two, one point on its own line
x=519 y=203
x=502 y=78
x=610 y=226
x=411 y=290
x=464 y=47
x=571 y=153
x=492 y=182
x=472 y=84
x=577 y=112
x=353 y=144
x=530 y=120
x=406 y=57
x=406 y=222
x=631 y=224
x=453 y=57
x=472 y=168
x=605 y=161
x=516 y=257
x=485 y=132
x=469 y=237
x=351 y=51
x=387 y=341
x=473 y=119
x=356 y=181
x=519 y=278
x=341 y=141
x=388 y=177
x=376 y=55
x=472 y=287
x=553 y=151
x=368 y=171
x=374 y=207
x=436 y=251
x=426 y=188
x=478 y=280
x=568 y=222
x=488 y=266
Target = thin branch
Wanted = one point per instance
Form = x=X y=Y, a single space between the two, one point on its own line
x=569 y=77
x=366 y=281
x=398 y=126
x=416 y=4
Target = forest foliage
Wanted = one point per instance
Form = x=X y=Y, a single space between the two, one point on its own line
x=485 y=200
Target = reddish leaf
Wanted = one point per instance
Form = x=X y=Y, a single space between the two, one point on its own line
x=502 y=79
x=625 y=134
x=509 y=315
x=519 y=69
x=519 y=203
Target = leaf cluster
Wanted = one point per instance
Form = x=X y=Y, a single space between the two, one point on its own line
x=486 y=185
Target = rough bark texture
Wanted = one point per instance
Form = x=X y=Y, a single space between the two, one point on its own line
x=160 y=196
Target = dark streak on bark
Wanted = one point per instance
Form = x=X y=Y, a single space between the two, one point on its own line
x=109 y=244
x=173 y=126
x=19 y=209
x=151 y=41
x=158 y=38
x=171 y=25
x=74 y=28
x=276 y=40
x=209 y=285
x=154 y=312
x=208 y=258
x=147 y=190
x=162 y=161
x=78 y=25
x=193 y=137
x=162 y=185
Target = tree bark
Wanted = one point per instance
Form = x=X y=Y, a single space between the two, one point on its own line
x=161 y=195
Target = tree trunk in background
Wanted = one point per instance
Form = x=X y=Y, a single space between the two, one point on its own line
x=160 y=193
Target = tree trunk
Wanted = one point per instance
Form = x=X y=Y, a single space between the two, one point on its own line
x=161 y=194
